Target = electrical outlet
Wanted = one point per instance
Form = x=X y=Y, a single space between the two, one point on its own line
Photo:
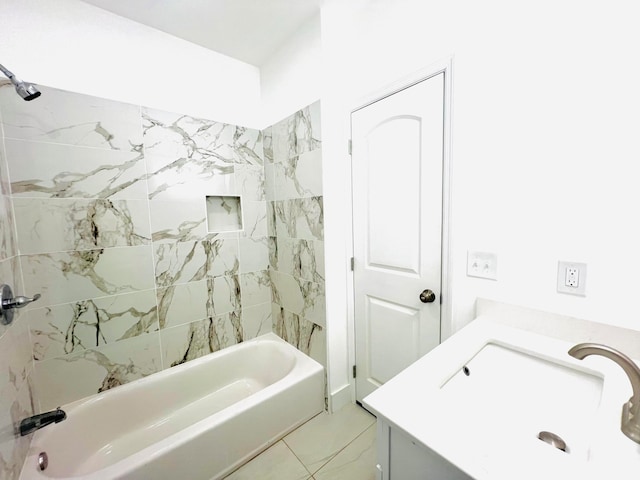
x=572 y=278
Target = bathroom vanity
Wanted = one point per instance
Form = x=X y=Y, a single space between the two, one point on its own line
x=499 y=401
x=401 y=456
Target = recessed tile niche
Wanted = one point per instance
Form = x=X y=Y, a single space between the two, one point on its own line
x=224 y=213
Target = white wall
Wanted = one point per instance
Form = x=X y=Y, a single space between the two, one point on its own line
x=74 y=46
x=78 y=47
x=544 y=143
x=292 y=78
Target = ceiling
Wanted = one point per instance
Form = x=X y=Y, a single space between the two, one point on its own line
x=247 y=30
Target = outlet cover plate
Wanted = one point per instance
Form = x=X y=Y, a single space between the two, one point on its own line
x=482 y=265
x=572 y=278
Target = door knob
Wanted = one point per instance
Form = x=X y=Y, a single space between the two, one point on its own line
x=427 y=296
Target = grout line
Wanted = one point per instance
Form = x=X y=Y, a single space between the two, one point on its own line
x=296 y=456
x=332 y=456
x=358 y=456
x=342 y=449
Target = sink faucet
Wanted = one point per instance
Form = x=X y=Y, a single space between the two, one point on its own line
x=31 y=424
x=630 y=422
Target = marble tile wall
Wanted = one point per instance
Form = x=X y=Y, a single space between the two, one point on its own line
x=110 y=216
x=103 y=212
x=16 y=366
x=293 y=188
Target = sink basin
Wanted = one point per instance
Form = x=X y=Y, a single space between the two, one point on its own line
x=510 y=397
x=482 y=399
x=516 y=395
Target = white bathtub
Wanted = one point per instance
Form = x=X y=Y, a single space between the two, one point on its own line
x=199 y=420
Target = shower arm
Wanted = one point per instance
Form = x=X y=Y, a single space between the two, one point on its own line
x=7 y=73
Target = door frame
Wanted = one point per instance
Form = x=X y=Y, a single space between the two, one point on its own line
x=444 y=66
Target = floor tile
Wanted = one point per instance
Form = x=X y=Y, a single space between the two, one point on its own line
x=275 y=463
x=356 y=462
x=321 y=438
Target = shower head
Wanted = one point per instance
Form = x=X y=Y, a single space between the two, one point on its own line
x=26 y=90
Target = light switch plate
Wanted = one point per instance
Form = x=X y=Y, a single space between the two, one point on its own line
x=482 y=265
x=572 y=278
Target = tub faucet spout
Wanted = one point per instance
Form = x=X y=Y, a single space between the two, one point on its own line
x=31 y=424
x=630 y=422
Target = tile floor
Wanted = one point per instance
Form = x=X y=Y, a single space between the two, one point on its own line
x=340 y=446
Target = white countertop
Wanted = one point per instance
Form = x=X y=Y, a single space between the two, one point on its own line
x=413 y=402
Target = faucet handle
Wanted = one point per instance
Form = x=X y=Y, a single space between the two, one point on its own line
x=19 y=301
x=8 y=303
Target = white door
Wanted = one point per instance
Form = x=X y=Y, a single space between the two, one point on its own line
x=397 y=162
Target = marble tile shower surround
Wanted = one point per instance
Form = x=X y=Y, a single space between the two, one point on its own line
x=295 y=223
x=111 y=228
x=16 y=381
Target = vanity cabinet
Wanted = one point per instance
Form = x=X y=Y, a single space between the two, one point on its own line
x=401 y=457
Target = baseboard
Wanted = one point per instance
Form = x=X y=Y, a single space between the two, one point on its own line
x=339 y=398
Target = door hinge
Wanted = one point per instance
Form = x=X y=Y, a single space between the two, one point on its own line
x=350 y=146
x=352 y=263
x=354 y=371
